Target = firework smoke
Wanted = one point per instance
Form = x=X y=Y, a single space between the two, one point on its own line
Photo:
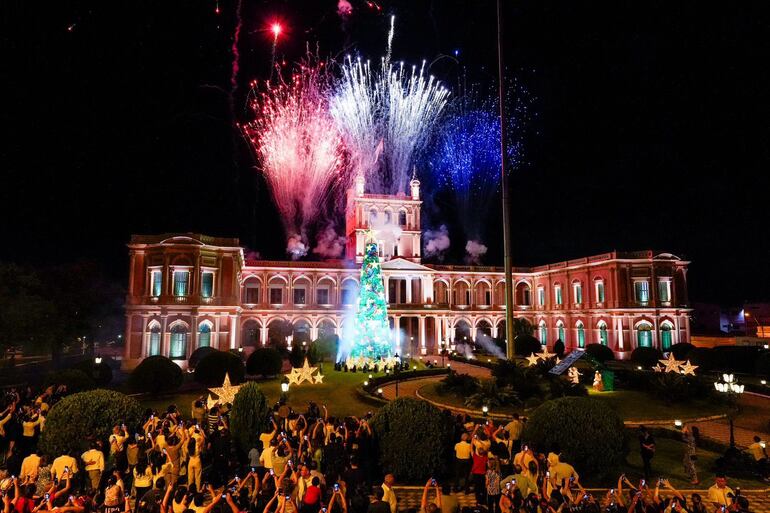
x=436 y=242
x=344 y=9
x=474 y=251
x=299 y=149
x=329 y=244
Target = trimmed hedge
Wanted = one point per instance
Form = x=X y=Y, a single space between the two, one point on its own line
x=558 y=348
x=646 y=356
x=80 y=418
x=100 y=373
x=155 y=375
x=75 y=379
x=249 y=416
x=212 y=369
x=264 y=361
x=198 y=355
x=525 y=345
x=590 y=436
x=600 y=353
x=681 y=350
x=402 y=422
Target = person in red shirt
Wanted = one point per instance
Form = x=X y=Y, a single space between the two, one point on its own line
x=478 y=471
x=311 y=501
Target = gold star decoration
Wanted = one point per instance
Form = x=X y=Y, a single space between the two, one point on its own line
x=210 y=402
x=657 y=368
x=226 y=392
x=671 y=363
x=532 y=359
x=545 y=354
x=688 y=368
x=297 y=375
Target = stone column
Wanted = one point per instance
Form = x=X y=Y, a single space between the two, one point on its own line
x=409 y=290
x=233 y=330
x=263 y=335
x=423 y=349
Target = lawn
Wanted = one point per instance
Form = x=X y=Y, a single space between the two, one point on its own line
x=630 y=405
x=338 y=392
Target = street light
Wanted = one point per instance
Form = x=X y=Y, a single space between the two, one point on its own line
x=733 y=390
x=397 y=372
x=98 y=360
x=485 y=410
x=284 y=387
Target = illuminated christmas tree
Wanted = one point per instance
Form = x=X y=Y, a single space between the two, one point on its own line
x=371 y=331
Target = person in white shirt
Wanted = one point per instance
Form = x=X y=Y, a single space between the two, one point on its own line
x=93 y=459
x=389 y=496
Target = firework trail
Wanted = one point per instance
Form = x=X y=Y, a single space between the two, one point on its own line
x=391 y=32
x=299 y=149
x=390 y=113
x=236 y=55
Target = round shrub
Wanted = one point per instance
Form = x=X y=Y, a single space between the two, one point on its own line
x=249 y=416
x=396 y=427
x=704 y=358
x=600 y=353
x=198 y=355
x=589 y=435
x=100 y=373
x=80 y=418
x=296 y=356
x=558 y=348
x=525 y=345
x=154 y=375
x=75 y=379
x=264 y=361
x=646 y=356
x=681 y=350
x=212 y=369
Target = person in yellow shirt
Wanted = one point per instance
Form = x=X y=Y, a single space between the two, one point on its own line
x=29 y=468
x=62 y=463
x=93 y=459
x=720 y=494
x=758 y=451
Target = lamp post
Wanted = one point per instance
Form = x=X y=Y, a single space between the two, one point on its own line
x=397 y=372
x=733 y=390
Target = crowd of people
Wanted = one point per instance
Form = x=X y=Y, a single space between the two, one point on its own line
x=305 y=462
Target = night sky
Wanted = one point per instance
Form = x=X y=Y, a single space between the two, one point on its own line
x=652 y=126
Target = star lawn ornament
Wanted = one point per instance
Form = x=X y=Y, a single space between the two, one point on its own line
x=657 y=368
x=545 y=354
x=226 y=392
x=671 y=363
x=319 y=378
x=305 y=373
x=210 y=402
x=688 y=368
x=532 y=359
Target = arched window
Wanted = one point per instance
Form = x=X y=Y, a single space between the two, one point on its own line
x=603 y=338
x=178 y=342
x=560 y=329
x=599 y=283
x=388 y=216
x=581 y=335
x=665 y=336
x=154 y=348
x=204 y=335
x=543 y=333
x=372 y=216
x=557 y=294
x=402 y=218
x=577 y=292
x=644 y=335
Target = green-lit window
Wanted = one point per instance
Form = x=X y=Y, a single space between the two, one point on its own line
x=561 y=332
x=207 y=284
x=600 y=292
x=642 y=291
x=578 y=293
x=204 y=335
x=154 y=348
x=665 y=337
x=541 y=296
x=181 y=282
x=178 y=343
x=156 y=279
x=644 y=337
x=664 y=291
x=581 y=336
x=543 y=333
x=603 y=338
x=557 y=293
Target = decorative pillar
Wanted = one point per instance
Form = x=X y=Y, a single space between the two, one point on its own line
x=387 y=289
x=439 y=333
x=313 y=333
x=263 y=334
x=233 y=324
x=193 y=336
x=128 y=338
x=409 y=290
x=216 y=342
x=676 y=330
x=423 y=349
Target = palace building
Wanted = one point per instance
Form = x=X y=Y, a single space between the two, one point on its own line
x=188 y=291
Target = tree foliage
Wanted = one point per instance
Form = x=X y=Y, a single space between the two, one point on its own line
x=524 y=345
x=154 y=375
x=75 y=380
x=600 y=352
x=646 y=356
x=249 y=416
x=80 y=418
x=589 y=435
x=398 y=425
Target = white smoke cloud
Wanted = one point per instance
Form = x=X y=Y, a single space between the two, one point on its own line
x=386 y=232
x=252 y=255
x=486 y=342
x=329 y=244
x=475 y=250
x=344 y=9
x=295 y=247
x=436 y=242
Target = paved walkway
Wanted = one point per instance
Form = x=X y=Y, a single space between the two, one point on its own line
x=410 y=388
